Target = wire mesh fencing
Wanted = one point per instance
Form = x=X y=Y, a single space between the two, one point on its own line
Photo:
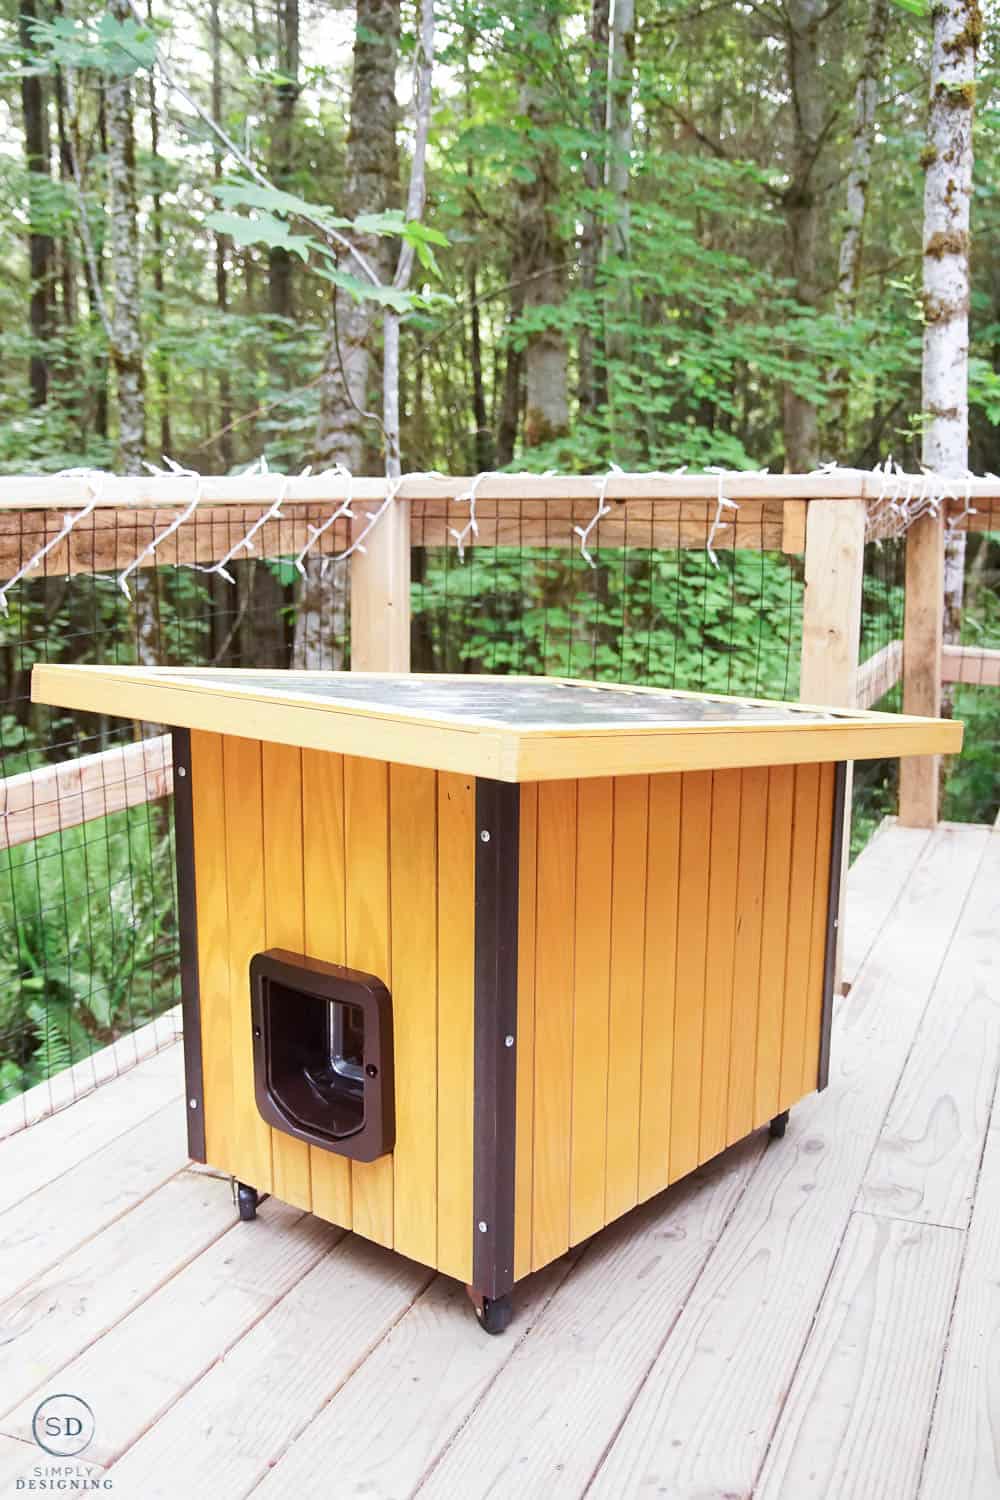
x=641 y=592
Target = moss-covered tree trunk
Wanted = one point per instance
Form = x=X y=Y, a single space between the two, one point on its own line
x=947 y=196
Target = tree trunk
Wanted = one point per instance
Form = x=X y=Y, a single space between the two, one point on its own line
x=34 y=104
x=126 y=327
x=859 y=173
x=371 y=187
x=620 y=166
x=592 y=233
x=802 y=203
x=947 y=195
x=513 y=387
x=222 y=245
x=287 y=92
x=162 y=362
x=541 y=254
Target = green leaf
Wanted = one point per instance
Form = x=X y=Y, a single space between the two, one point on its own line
x=263 y=230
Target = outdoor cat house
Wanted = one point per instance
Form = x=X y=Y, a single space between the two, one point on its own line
x=472 y=966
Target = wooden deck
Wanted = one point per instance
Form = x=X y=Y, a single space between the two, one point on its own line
x=818 y=1316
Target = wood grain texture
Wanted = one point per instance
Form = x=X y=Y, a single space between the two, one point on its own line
x=250 y=1144
x=456 y=1021
x=720 y=954
x=703 y=1420
x=208 y=803
x=224 y=1434
x=774 y=942
x=689 y=1013
x=595 y=831
x=47 y=1225
x=750 y=886
x=413 y=873
x=366 y=863
x=141 y=1366
x=878 y=876
x=53 y=798
x=284 y=907
x=63 y=1311
x=926 y=1162
x=977 y=665
x=525 y=1090
x=801 y=900
x=919 y=779
x=380 y=594
x=659 y=983
x=813 y=999
x=963 y=1455
x=857 y=1415
x=325 y=898
x=561 y=1397
x=408 y=1399
x=554 y=986
x=628 y=936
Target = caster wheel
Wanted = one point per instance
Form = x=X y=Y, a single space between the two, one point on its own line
x=246 y=1201
x=494 y=1314
x=778 y=1125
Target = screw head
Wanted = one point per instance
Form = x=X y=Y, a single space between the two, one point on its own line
x=257 y=1033
x=485 y=835
x=371 y=1070
x=483 y=1226
x=508 y=1041
x=192 y=1104
x=182 y=770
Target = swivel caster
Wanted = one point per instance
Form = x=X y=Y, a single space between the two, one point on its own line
x=494 y=1313
x=246 y=1201
x=778 y=1125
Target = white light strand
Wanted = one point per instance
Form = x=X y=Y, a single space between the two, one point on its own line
x=373 y=517
x=246 y=541
x=343 y=510
x=95 y=481
x=721 y=504
x=603 y=509
x=178 y=521
x=471 y=527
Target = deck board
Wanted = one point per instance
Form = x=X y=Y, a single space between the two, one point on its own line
x=797 y=1320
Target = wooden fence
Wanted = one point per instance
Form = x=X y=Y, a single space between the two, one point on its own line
x=823 y=516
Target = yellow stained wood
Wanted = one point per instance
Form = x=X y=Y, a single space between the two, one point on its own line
x=413 y=856
x=525 y=1041
x=325 y=937
x=720 y=962
x=456 y=1021
x=554 y=981
x=241 y=761
x=692 y=927
x=774 y=928
x=800 y=915
x=659 y=976
x=285 y=926
x=209 y=816
x=628 y=930
x=592 y=968
x=507 y=752
x=366 y=859
x=817 y=945
x=746 y=964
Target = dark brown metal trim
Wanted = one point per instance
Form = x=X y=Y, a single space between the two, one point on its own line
x=494 y=1109
x=832 y=920
x=187 y=921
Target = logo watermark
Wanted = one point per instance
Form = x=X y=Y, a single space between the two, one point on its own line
x=63 y=1426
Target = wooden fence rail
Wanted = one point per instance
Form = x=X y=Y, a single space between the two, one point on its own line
x=822 y=516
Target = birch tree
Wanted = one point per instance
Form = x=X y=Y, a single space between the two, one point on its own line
x=620 y=164
x=866 y=96
x=126 y=327
x=344 y=396
x=34 y=105
x=947 y=195
x=592 y=222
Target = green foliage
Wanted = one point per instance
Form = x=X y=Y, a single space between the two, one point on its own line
x=87 y=942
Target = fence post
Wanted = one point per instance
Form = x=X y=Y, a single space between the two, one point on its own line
x=380 y=595
x=919 y=776
x=831 y=632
